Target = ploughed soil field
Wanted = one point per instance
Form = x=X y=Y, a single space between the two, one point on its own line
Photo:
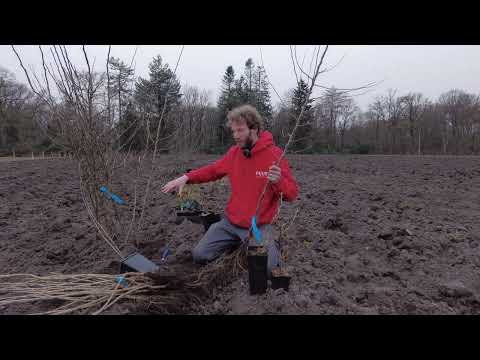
x=372 y=235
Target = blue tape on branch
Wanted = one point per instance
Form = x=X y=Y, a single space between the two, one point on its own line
x=112 y=196
x=122 y=281
x=118 y=199
x=256 y=230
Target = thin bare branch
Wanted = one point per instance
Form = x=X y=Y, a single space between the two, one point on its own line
x=293 y=62
x=108 y=84
x=26 y=74
x=268 y=80
x=45 y=72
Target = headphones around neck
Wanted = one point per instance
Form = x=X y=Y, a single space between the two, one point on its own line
x=247 y=149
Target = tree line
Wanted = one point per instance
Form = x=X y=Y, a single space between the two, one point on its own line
x=393 y=123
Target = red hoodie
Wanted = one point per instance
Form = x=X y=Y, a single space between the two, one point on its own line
x=247 y=179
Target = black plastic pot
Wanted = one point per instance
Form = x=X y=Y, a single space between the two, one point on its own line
x=257 y=270
x=189 y=213
x=280 y=282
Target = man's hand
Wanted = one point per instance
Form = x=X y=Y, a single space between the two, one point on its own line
x=274 y=174
x=176 y=184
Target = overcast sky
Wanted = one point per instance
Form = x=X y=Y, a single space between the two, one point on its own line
x=428 y=69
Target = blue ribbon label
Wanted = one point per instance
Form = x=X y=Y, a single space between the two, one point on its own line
x=256 y=230
x=112 y=196
x=165 y=254
x=122 y=281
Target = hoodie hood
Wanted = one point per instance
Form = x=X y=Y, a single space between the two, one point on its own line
x=265 y=140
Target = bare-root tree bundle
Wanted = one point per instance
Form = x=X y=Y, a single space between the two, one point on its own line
x=96 y=293
x=83 y=124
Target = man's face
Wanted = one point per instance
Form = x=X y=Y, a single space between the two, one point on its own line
x=240 y=132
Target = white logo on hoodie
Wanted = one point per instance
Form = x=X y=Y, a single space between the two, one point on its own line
x=261 y=173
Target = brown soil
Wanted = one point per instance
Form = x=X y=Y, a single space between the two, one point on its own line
x=375 y=234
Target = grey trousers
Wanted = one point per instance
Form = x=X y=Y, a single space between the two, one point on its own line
x=223 y=236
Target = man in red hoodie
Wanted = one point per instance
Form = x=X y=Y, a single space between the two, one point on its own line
x=249 y=165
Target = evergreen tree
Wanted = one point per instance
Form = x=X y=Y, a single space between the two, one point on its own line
x=249 y=94
x=241 y=95
x=226 y=100
x=262 y=96
x=150 y=95
x=132 y=134
x=302 y=136
x=121 y=76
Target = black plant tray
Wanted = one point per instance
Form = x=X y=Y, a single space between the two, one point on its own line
x=199 y=217
x=280 y=282
x=137 y=263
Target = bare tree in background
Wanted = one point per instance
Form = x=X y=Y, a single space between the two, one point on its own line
x=193 y=121
x=415 y=106
x=377 y=113
x=334 y=112
x=460 y=115
x=18 y=109
x=348 y=111
x=327 y=112
x=393 y=110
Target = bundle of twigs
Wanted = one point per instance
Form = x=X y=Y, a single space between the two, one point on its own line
x=80 y=291
x=220 y=271
x=95 y=293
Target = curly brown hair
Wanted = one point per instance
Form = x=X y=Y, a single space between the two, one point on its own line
x=247 y=114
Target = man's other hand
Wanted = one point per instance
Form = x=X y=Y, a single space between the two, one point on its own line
x=176 y=184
